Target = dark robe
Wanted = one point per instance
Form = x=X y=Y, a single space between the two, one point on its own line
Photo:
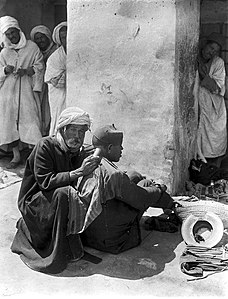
x=116 y=228
x=111 y=209
x=43 y=202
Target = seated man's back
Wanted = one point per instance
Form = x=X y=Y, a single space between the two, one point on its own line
x=116 y=228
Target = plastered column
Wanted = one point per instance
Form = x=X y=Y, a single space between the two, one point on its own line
x=121 y=69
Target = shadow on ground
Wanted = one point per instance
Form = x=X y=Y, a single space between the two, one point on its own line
x=6 y=157
x=146 y=260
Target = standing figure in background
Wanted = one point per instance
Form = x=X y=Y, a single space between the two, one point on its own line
x=55 y=75
x=210 y=82
x=41 y=35
x=21 y=81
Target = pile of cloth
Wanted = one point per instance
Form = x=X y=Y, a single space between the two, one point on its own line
x=207 y=181
x=196 y=260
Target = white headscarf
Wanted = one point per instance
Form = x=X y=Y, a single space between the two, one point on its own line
x=73 y=116
x=41 y=29
x=7 y=22
x=46 y=31
x=55 y=34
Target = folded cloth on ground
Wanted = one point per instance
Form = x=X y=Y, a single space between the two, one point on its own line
x=197 y=259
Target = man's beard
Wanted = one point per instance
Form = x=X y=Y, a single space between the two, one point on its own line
x=73 y=144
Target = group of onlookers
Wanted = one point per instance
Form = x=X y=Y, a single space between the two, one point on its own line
x=32 y=84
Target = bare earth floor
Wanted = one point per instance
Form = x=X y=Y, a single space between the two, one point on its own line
x=150 y=270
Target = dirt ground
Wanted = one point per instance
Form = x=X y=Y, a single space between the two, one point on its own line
x=150 y=270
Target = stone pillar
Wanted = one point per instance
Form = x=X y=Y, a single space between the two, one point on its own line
x=125 y=65
x=186 y=109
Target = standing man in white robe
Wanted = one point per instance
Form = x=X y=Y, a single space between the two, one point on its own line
x=21 y=80
x=42 y=36
x=210 y=82
x=55 y=75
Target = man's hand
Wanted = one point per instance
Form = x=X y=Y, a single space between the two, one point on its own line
x=30 y=71
x=210 y=84
x=21 y=72
x=162 y=187
x=135 y=176
x=89 y=164
x=9 y=69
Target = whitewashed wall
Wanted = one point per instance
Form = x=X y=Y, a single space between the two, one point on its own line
x=121 y=69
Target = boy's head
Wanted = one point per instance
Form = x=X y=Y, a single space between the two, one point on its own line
x=109 y=140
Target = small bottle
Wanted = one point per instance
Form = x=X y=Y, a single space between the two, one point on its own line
x=97 y=152
x=211 y=189
x=212 y=184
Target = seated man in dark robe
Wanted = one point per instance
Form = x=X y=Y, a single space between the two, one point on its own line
x=121 y=200
x=53 y=212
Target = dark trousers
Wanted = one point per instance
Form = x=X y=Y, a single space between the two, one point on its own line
x=115 y=230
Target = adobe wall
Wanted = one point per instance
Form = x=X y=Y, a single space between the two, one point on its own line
x=124 y=66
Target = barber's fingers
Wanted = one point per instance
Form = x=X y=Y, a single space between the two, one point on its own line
x=91 y=162
x=89 y=168
x=91 y=158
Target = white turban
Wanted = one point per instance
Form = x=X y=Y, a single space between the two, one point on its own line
x=73 y=116
x=7 y=22
x=55 y=34
x=41 y=29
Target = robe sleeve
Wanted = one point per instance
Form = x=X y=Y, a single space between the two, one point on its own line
x=118 y=185
x=56 y=69
x=38 y=66
x=142 y=198
x=44 y=169
x=217 y=73
x=2 y=66
x=59 y=81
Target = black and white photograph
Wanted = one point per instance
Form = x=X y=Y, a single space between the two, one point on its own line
x=113 y=149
